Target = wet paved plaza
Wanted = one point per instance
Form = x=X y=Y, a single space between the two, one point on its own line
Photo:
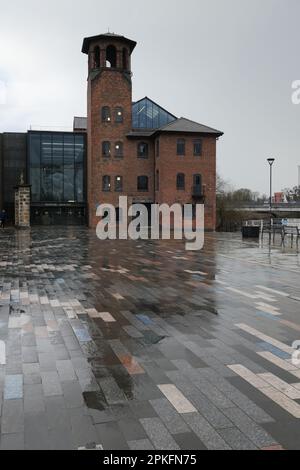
x=142 y=345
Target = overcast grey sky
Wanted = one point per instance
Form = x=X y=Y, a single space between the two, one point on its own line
x=229 y=64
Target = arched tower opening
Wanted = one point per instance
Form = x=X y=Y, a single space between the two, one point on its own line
x=111 y=57
x=97 y=57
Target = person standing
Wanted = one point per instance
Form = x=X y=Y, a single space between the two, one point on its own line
x=3 y=218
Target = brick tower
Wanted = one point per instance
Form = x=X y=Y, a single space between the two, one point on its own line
x=109 y=111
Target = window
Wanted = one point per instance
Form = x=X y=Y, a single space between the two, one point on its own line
x=180 y=147
x=197 y=180
x=125 y=58
x=142 y=150
x=119 y=183
x=157 y=180
x=111 y=57
x=106 y=149
x=197 y=190
x=119 y=114
x=180 y=181
x=143 y=183
x=157 y=147
x=106 y=117
x=97 y=57
x=118 y=149
x=106 y=183
x=56 y=167
x=197 y=148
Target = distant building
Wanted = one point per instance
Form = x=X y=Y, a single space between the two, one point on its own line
x=135 y=149
x=279 y=198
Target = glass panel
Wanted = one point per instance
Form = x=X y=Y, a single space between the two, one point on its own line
x=79 y=149
x=69 y=195
x=143 y=183
x=148 y=115
x=79 y=190
x=35 y=175
x=35 y=150
x=197 y=147
x=119 y=183
x=69 y=152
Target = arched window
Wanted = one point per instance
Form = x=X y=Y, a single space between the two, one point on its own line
x=125 y=58
x=180 y=181
x=143 y=183
x=106 y=149
x=198 y=148
x=111 y=57
x=180 y=147
x=97 y=57
x=106 y=185
x=197 y=181
x=157 y=180
x=119 y=114
x=142 y=150
x=118 y=149
x=119 y=183
x=105 y=113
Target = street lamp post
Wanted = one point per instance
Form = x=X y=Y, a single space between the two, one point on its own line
x=271 y=162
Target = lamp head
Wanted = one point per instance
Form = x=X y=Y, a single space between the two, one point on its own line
x=271 y=161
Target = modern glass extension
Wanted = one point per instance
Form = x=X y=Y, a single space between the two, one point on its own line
x=148 y=115
x=56 y=163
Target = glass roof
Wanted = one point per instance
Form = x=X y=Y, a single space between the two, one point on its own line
x=148 y=115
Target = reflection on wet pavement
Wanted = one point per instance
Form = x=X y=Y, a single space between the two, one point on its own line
x=142 y=345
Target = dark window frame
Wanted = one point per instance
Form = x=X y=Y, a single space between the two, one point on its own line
x=196 y=152
x=119 y=152
x=181 y=147
x=143 y=187
x=106 y=183
x=118 y=184
x=105 y=114
x=180 y=182
x=119 y=118
x=106 y=149
x=141 y=154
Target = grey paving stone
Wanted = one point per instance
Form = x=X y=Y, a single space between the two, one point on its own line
x=36 y=431
x=112 y=392
x=141 y=444
x=189 y=441
x=132 y=429
x=111 y=437
x=207 y=434
x=12 y=441
x=170 y=417
x=253 y=431
x=237 y=440
x=51 y=384
x=12 y=419
x=72 y=394
x=65 y=370
x=158 y=434
x=13 y=387
x=82 y=428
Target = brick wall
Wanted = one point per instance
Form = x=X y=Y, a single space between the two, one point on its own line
x=169 y=164
x=113 y=88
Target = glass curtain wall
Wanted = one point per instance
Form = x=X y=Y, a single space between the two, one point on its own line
x=56 y=167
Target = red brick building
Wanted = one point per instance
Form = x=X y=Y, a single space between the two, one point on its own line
x=139 y=149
